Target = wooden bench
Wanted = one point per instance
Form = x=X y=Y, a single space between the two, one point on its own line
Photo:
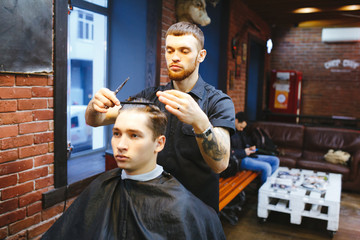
x=230 y=187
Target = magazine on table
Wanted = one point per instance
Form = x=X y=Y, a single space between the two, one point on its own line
x=315 y=183
x=286 y=180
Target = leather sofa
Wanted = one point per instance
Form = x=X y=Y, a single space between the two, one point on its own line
x=304 y=147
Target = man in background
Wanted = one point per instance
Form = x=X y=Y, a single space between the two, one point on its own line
x=244 y=149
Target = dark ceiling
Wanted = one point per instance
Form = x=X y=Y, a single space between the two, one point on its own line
x=279 y=12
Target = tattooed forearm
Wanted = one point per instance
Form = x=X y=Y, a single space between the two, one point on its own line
x=213 y=145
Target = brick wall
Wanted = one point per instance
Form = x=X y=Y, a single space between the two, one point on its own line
x=26 y=154
x=168 y=18
x=326 y=91
x=240 y=15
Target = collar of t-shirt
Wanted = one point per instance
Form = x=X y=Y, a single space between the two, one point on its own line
x=145 y=176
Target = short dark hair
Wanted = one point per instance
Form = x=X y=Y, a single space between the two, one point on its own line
x=241 y=117
x=157 y=118
x=186 y=28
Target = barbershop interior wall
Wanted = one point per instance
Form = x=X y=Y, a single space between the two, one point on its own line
x=240 y=17
x=330 y=91
x=168 y=18
x=26 y=154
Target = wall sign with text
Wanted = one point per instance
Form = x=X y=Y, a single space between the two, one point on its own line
x=338 y=65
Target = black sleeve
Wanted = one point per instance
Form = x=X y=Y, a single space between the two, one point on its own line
x=237 y=146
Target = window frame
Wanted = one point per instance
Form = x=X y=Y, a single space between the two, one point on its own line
x=62 y=190
x=60 y=83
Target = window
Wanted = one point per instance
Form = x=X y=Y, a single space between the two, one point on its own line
x=86 y=73
x=85 y=25
x=103 y=3
x=81 y=68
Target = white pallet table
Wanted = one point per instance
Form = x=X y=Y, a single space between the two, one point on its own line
x=300 y=202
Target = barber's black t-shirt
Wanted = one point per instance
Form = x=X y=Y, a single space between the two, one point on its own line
x=181 y=156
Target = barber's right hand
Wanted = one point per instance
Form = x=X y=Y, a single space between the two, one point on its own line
x=104 y=99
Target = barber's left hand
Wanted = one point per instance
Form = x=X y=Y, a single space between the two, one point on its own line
x=184 y=107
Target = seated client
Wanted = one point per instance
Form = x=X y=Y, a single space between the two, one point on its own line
x=138 y=200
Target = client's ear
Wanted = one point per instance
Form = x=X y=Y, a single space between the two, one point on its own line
x=160 y=143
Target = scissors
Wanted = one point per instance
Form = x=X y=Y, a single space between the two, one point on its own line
x=121 y=86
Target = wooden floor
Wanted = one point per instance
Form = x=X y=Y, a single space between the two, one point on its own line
x=278 y=225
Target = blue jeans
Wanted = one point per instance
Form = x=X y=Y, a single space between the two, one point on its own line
x=264 y=164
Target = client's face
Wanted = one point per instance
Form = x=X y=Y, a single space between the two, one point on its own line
x=132 y=142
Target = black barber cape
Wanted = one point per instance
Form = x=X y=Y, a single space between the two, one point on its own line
x=112 y=208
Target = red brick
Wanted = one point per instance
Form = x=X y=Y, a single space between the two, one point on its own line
x=30 y=198
x=44 y=137
x=9 y=131
x=30 y=104
x=51 y=125
x=8 y=180
x=33 y=127
x=11 y=217
x=17 y=190
x=16 y=117
x=50 y=80
x=69 y=202
x=22 y=80
x=7 y=156
x=51 y=103
x=3 y=231
x=8 y=105
x=42 y=92
x=12 y=92
x=18 y=141
x=40 y=228
x=17 y=166
x=43 y=160
x=44 y=182
x=51 y=147
x=34 y=208
x=33 y=150
x=43 y=115
x=51 y=169
x=7 y=80
x=33 y=174
x=19 y=236
x=52 y=211
x=8 y=206
x=25 y=223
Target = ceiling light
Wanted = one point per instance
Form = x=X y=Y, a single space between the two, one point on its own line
x=350 y=8
x=269 y=45
x=306 y=10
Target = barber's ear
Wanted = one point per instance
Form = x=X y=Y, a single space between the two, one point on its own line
x=201 y=55
x=160 y=143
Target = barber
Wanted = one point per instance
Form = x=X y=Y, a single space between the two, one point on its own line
x=200 y=117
